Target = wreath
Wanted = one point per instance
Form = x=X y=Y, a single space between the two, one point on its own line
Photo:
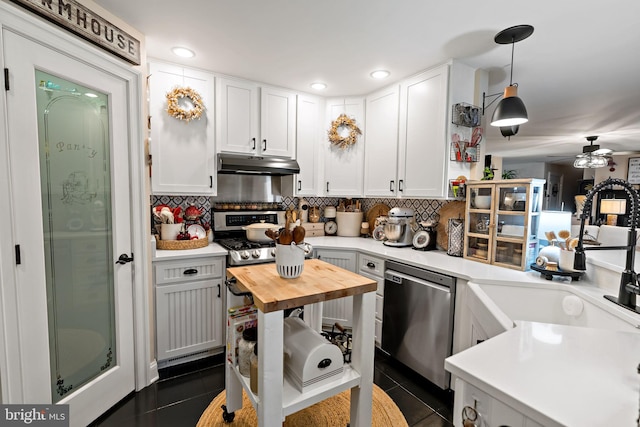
x=343 y=141
x=174 y=109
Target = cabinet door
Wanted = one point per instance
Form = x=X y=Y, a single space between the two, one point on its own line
x=183 y=153
x=307 y=145
x=237 y=118
x=381 y=153
x=277 y=122
x=338 y=310
x=423 y=161
x=344 y=166
x=188 y=318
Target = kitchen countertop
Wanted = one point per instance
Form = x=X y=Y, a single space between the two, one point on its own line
x=589 y=372
x=558 y=375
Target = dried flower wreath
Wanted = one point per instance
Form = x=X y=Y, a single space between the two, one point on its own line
x=343 y=141
x=174 y=109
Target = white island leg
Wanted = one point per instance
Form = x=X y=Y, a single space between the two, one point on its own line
x=362 y=355
x=270 y=368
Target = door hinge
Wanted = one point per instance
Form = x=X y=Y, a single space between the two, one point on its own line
x=6 y=79
x=18 y=257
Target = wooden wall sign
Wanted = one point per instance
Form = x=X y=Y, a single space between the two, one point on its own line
x=78 y=19
x=633 y=175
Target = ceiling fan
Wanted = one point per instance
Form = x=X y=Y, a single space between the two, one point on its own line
x=592 y=155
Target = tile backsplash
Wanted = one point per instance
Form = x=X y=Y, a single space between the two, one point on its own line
x=425 y=208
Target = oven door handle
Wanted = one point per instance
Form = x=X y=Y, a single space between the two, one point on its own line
x=231 y=286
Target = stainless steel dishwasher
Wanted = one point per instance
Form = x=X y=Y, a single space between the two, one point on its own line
x=417 y=322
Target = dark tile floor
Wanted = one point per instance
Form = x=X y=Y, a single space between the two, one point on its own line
x=183 y=392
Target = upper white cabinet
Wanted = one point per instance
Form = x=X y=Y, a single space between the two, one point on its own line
x=423 y=145
x=277 y=122
x=183 y=153
x=309 y=138
x=381 y=152
x=344 y=167
x=237 y=116
x=255 y=120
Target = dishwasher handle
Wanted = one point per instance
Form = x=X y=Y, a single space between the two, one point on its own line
x=398 y=278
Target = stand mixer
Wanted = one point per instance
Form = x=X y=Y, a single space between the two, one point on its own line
x=400 y=227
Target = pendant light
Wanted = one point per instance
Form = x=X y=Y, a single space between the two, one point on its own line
x=592 y=156
x=511 y=110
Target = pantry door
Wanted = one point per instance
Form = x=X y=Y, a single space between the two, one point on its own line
x=68 y=154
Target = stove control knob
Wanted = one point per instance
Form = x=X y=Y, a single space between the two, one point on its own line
x=273 y=252
x=255 y=253
x=244 y=254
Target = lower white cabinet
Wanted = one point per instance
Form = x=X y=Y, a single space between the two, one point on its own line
x=189 y=309
x=373 y=268
x=491 y=411
x=338 y=310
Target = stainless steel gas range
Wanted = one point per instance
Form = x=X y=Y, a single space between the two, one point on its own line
x=228 y=232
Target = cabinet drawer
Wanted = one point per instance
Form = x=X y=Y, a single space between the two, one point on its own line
x=379 y=304
x=188 y=270
x=380 y=280
x=372 y=265
x=378 y=332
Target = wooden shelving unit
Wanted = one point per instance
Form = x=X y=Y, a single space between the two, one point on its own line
x=501 y=223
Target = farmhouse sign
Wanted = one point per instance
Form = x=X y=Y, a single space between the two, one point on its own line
x=80 y=20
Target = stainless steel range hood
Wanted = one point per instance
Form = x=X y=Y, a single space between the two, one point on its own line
x=256 y=165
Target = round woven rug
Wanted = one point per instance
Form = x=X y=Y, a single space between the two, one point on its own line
x=333 y=411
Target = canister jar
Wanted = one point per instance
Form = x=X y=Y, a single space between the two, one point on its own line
x=245 y=350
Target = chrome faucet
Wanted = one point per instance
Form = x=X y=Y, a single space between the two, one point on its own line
x=629 y=280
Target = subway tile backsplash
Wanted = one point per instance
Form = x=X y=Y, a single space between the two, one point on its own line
x=425 y=208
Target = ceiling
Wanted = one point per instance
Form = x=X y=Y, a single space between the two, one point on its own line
x=578 y=74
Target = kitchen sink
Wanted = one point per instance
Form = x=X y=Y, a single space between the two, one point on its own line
x=498 y=307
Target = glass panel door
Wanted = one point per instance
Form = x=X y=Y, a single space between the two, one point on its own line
x=75 y=175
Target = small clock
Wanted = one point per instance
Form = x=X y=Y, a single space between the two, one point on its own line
x=330 y=228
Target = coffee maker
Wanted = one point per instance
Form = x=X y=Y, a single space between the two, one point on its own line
x=400 y=227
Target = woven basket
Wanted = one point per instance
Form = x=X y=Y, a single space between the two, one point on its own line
x=176 y=245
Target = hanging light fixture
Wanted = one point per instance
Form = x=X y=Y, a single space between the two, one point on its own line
x=592 y=156
x=510 y=111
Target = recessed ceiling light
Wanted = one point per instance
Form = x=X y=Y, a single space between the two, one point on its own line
x=183 y=52
x=380 y=74
x=91 y=95
x=318 y=86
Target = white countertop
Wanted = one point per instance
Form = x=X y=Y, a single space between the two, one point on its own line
x=584 y=377
x=571 y=376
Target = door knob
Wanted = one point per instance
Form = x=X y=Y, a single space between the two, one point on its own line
x=124 y=258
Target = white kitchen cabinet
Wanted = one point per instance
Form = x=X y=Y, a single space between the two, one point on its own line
x=344 y=167
x=492 y=412
x=189 y=309
x=423 y=146
x=373 y=268
x=381 y=152
x=183 y=153
x=338 y=310
x=309 y=137
x=277 y=122
x=255 y=120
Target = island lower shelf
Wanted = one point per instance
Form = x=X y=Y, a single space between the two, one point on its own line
x=293 y=400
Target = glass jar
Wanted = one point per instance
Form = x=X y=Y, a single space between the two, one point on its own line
x=245 y=350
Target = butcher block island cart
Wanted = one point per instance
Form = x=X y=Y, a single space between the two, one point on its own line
x=320 y=281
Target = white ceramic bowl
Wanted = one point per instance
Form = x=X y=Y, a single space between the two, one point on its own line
x=482 y=202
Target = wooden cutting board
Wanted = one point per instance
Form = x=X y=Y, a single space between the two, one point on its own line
x=453 y=209
x=319 y=281
x=376 y=210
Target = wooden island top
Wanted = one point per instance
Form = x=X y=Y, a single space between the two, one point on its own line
x=319 y=281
